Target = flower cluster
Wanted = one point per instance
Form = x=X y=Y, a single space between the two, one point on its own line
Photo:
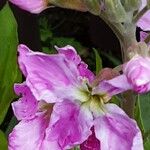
x=61 y=108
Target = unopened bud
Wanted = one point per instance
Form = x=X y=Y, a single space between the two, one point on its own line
x=115 y=11
x=93 y=6
x=131 y=5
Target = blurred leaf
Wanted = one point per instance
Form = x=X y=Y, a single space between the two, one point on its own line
x=111 y=58
x=147 y=144
x=144 y=105
x=137 y=114
x=98 y=61
x=63 y=41
x=3 y=141
x=76 y=148
x=9 y=72
x=11 y=125
x=116 y=100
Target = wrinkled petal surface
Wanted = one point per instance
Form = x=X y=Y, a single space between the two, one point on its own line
x=50 y=77
x=25 y=107
x=137 y=71
x=116 y=131
x=30 y=134
x=33 y=6
x=112 y=87
x=72 y=55
x=70 y=124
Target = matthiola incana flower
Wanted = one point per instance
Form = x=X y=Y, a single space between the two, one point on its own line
x=33 y=6
x=136 y=76
x=144 y=21
x=60 y=108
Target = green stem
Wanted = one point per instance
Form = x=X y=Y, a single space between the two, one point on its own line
x=140 y=14
x=126 y=35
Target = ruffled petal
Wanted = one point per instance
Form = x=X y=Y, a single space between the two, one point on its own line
x=70 y=124
x=114 y=86
x=50 y=77
x=30 y=134
x=33 y=6
x=25 y=107
x=72 y=55
x=116 y=131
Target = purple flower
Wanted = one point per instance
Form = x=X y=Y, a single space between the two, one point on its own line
x=136 y=76
x=33 y=6
x=144 y=21
x=59 y=108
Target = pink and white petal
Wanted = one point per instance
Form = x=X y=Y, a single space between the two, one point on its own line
x=116 y=131
x=71 y=54
x=69 y=125
x=33 y=6
x=143 y=35
x=85 y=72
x=45 y=73
x=28 y=134
x=114 y=86
x=144 y=21
x=26 y=106
x=92 y=143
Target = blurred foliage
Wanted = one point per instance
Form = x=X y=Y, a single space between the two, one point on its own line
x=9 y=72
x=3 y=141
x=98 y=61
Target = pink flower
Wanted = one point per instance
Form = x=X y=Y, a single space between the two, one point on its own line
x=144 y=21
x=33 y=6
x=59 y=108
x=136 y=76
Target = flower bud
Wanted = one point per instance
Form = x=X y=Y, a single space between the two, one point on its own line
x=93 y=6
x=131 y=5
x=137 y=71
x=33 y=6
x=115 y=11
x=71 y=4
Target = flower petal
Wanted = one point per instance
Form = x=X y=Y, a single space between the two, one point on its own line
x=33 y=6
x=116 y=131
x=112 y=87
x=26 y=107
x=30 y=134
x=49 y=77
x=137 y=71
x=92 y=143
x=70 y=125
x=72 y=55
x=144 y=21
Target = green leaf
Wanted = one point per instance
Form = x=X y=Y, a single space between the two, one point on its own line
x=144 y=104
x=9 y=73
x=98 y=61
x=3 y=141
x=11 y=125
x=147 y=144
x=137 y=114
